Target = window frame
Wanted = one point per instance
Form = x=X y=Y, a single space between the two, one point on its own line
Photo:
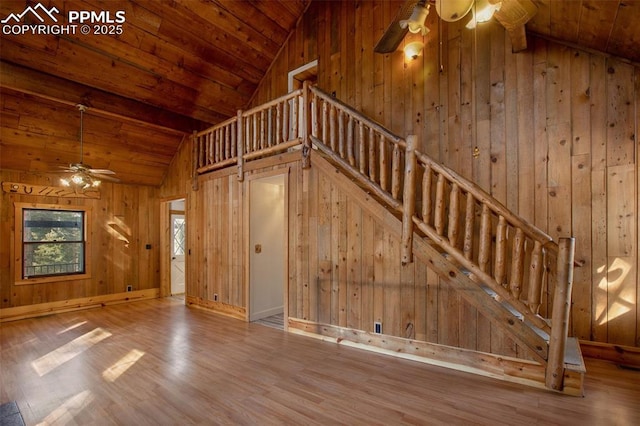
x=19 y=244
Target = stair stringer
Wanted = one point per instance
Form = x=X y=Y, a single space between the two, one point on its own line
x=497 y=366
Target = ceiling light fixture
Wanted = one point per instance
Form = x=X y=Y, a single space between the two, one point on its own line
x=413 y=50
x=416 y=22
x=81 y=179
x=483 y=12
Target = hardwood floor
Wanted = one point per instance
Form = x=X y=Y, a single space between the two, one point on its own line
x=159 y=362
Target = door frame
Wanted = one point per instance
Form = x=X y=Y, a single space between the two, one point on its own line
x=165 y=245
x=286 y=172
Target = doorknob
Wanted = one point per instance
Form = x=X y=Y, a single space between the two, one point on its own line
x=173 y=258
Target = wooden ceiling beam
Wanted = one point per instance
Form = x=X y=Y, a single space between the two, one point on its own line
x=46 y=86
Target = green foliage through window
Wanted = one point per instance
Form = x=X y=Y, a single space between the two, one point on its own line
x=53 y=242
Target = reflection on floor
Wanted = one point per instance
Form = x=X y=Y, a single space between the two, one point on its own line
x=274 y=321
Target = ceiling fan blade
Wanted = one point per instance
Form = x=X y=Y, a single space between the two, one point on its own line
x=394 y=34
x=105 y=177
x=101 y=171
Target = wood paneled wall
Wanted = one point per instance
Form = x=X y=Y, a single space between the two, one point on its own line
x=551 y=132
x=125 y=219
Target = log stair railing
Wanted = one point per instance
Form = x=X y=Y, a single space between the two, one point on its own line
x=515 y=264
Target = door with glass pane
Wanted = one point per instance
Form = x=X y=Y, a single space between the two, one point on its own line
x=177 y=253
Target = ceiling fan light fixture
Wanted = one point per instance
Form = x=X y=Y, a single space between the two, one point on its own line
x=483 y=12
x=453 y=10
x=416 y=22
x=413 y=50
x=80 y=181
x=84 y=177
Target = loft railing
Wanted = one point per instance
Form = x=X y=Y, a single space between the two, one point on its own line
x=506 y=256
x=259 y=132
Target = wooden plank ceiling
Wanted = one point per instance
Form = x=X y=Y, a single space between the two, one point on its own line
x=177 y=66
x=183 y=65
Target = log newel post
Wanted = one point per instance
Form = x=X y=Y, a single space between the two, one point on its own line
x=306 y=125
x=560 y=319
x=194 y=159
x=409 y=200
x=240 y=146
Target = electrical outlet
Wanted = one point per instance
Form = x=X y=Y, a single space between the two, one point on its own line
x=215 y=297
x=129 y=287
x=377 y=327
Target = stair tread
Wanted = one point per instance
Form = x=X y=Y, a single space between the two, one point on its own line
x=573 y=356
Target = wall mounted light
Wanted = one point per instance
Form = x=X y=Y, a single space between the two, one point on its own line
x=416 y=22
x=413 y=50
x=483 y=12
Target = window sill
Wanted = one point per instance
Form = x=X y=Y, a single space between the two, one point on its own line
x=57 y=278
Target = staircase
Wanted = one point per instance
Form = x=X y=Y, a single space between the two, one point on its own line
x=499 y=263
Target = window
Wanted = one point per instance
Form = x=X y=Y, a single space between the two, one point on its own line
x=178 y=235
x=54 y=243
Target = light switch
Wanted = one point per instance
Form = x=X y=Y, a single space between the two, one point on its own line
x=258 y=248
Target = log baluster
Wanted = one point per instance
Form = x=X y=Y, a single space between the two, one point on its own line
x=469 y=222
x=325 y=123
x=453 y=230
x=341 y=141
x=295 y=124
x=270 y=127
x=227 y=142
x=218 y=146
x=484 y=246
x=372 y=155
x=233 y=131
x=285 y=121
x=332 y=128
x=254 y=135
x=501 y=249
x=263 y=130
x=210 y=150
x=278 y=124
x=517 y=263
x=396 y=177
x=247 y=135
x=314 y=115
x=362 y=149
x=350 y=136
x=384 y=172
x=440 y=205
x=240 y=143
x=426 y=195
x=535 y=278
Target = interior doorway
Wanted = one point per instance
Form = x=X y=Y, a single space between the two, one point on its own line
x=178 y=244
x=267 y=246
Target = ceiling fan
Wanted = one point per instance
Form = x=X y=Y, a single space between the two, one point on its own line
x=83 y=175
x=512 y=14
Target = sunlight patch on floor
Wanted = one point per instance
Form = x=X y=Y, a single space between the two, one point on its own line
x=69 y=409
x=72 y=327
x=68 y=351
x=122 y=365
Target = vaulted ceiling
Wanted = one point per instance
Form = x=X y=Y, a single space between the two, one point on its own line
x=183 y=65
